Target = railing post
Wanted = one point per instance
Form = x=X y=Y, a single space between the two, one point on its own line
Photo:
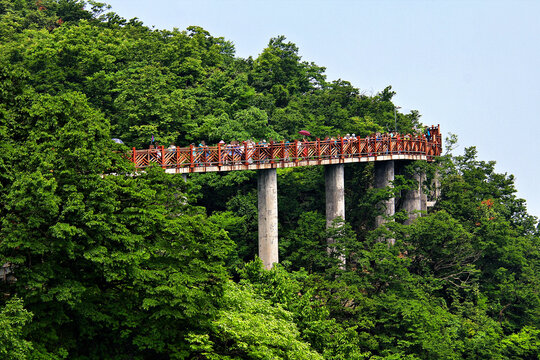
x=246 y=162
x=163 y=157
x=203 y=159
x=271 y=152
x=318 y=149
x=177 y=157
x=219 y=153
x=341 y=147
x=134 y=156
x=295 y=151
x=257 y=153
x=191 y=155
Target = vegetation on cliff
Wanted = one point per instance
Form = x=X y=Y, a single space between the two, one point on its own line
x=152 y=267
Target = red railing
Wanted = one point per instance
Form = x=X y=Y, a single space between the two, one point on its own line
x=248 y=153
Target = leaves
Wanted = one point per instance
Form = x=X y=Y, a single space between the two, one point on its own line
x=113 y=265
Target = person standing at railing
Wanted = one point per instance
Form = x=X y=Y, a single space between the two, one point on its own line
x=238 y=151
x=170 y=149
x=333 y=147
x=221 y=157
x=354 y=146
x=249 y=154
x=202 y=149
x=406 y=144
x=151 y=152
x=193 y=154
x=263 y=151
x=369 y=144
x=229 y=148
x=158 y=152
x=286 y=150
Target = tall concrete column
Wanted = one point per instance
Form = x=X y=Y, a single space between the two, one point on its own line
x=412 y=202
x=435 y=193
x=334 y=176
x=384 y=176
x=423 y=195
x=268 y=217
x=437 y=185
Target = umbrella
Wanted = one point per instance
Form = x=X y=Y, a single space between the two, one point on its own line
x=304 y=132
x=118 y=141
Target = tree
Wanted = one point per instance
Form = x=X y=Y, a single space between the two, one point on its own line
x=12 y=319
x=103 y=260
x=249 y=327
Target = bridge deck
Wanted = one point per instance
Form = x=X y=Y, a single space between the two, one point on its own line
x=247 y=156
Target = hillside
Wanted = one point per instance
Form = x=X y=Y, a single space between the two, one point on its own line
x=152 y=267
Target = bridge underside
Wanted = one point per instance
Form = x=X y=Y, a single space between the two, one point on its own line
x=282 y=164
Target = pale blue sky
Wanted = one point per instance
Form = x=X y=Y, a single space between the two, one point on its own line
x=471 y=66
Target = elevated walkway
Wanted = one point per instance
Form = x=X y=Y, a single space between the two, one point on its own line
x=386 y=151
x=251 y=156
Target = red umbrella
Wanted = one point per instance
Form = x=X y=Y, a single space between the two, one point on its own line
x=304 y=133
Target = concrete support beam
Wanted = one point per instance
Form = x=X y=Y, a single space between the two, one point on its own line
x=412 y=202
x=334 y=176
x=437 y=185
x=384 y=176
x=435 y=193
x=423 y=195
x=268 y=217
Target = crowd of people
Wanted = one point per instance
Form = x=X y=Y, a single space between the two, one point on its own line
x=245 y=152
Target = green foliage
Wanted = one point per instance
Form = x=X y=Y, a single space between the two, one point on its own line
x=113 y=265
x=118 y=261
x=523 y=345
x=442 y=248
x=249 y=327
x=294 y=291
x=12 y=319
x=305 y=246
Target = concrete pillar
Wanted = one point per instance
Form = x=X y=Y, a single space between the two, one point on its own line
x=423 y=195
x=334 y=176
x=412 y=202
x=437 y=185
x=435 y=193
x=268 y=217
x=384 y=176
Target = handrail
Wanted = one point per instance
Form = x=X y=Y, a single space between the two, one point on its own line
x=284 y=152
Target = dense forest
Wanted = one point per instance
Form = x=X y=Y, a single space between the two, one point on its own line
x=155 y=267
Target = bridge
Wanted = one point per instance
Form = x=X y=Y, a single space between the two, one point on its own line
x=388 y=153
